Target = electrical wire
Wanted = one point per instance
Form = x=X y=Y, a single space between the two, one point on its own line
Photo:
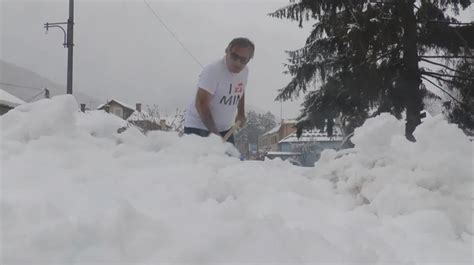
x=172 y=33
x=20 y=86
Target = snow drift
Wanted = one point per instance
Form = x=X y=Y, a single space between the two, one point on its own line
x=74 y=191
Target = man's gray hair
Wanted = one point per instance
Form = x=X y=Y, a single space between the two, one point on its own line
x=242 y=43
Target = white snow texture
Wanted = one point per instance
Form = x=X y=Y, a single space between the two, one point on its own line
x=74 y=191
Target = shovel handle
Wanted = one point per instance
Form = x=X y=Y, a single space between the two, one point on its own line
x=231 y=131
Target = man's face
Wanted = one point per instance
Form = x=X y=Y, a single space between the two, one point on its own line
x=237 y=58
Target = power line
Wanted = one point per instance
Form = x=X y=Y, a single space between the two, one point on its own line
x=172 y=33
x=20 y=86
x=35 y=96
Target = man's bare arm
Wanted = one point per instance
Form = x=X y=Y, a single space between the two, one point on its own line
x=203 y=100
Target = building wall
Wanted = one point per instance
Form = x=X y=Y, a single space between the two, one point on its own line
x=311 y=151
x=286 y=147
x=286 y=129
x=268 y=142
x=116 y=108
x=117 y=111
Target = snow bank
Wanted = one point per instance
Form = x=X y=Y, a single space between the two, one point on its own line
x=421 y=192
x=76 y=192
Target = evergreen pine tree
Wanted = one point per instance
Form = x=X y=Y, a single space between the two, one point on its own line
x=366 y=54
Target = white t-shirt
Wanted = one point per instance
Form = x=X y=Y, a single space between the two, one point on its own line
x=227 y=89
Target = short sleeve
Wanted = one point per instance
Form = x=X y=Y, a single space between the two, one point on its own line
x=208 y=80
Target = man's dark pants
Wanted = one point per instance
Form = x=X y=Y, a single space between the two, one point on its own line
x=205 y=133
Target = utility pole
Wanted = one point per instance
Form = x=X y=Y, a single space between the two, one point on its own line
x=70 y=45
x=68 y=42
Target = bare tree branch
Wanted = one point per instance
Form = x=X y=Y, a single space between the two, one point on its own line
x=445 y=66
x=446 y=75
x=446 y=56
x=440 y=88
x=441 y=79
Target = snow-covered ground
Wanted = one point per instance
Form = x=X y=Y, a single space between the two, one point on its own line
x=73 y=191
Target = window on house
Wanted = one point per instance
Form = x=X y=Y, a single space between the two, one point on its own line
x=118 y=112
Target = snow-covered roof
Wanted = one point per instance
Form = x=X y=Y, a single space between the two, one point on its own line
x=124 y=104
x=277 y=128
x=274 y=130
x=291 y=121
x=279 y=153
x=9 y=99
x=314 y=136
x=118 y=102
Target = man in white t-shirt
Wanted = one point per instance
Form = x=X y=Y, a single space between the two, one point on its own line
x=220 y=92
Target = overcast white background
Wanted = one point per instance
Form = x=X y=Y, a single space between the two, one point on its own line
x=122 y=51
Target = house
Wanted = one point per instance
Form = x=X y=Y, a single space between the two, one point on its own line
x=142 y=119
x=8 y=101
x=269 y=141
x=310 y=144
x=117 y=108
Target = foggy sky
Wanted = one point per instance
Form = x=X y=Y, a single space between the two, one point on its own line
x=122 y=51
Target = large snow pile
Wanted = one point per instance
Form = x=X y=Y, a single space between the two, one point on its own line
x=76 y=192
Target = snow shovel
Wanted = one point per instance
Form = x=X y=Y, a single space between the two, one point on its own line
x=231 y=131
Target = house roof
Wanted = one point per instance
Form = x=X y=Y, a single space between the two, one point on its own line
x=290 y=121
x=274 y=130
x=314 y=136
x=118 y=102
x=277 y=128
x=9 y=99
x=279 y=153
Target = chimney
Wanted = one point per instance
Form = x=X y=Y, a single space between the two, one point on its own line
x=83 y=107
x=163 y=125
x=139 y=107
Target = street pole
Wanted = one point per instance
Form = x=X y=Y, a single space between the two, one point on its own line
x=70 y=45
x=68 y=42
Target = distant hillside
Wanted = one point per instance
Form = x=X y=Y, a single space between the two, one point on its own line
x=26 y=84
